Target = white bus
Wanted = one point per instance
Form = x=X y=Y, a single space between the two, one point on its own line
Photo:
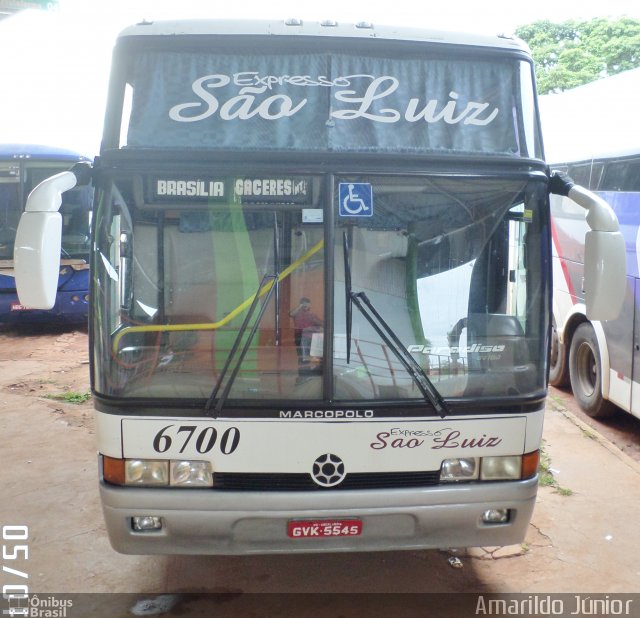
x=321 y=288
x=599 y=359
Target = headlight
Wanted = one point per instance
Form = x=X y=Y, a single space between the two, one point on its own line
x=501 y=468
x=494 y=468
x=459 y=469
x=191 y=473
x=157 y=472
x=146 y=472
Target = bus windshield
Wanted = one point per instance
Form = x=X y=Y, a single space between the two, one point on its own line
x=452 y=264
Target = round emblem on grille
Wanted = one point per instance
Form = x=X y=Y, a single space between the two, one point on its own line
x=328 y=470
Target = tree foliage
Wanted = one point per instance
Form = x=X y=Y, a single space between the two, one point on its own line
x=573 y=53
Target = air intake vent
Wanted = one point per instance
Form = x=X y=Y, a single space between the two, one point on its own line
x=303 y=482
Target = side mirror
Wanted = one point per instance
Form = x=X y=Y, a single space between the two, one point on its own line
x=37 y=258
x=604 y=274
x=38 y=239
x=605 y=270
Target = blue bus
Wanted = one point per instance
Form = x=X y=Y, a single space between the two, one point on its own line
x=23 y=167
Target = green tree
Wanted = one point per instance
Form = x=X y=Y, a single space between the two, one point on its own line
x=573 y=53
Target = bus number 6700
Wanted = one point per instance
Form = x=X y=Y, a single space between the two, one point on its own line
x=205 y=439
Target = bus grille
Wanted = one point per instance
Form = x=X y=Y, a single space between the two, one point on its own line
x=255 y=481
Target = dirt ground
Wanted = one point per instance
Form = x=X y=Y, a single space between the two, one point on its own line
x=622 y=429
x=48 y=481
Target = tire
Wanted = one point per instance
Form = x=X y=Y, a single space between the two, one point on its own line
x=585 y=371
x=558 y=360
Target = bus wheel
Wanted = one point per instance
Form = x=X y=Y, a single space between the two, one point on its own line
x=558 y=360
x=586 y=373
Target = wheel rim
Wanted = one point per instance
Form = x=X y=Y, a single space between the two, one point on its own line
x=587 y=369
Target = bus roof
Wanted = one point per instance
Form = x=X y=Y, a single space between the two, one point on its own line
x=39 y=151
x=594 y=120
x=328 y=28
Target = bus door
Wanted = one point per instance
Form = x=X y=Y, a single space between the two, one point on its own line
x=624 y=368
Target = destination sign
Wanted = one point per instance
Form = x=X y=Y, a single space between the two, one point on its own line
x=254 y=190
x=273 y=190
x=193 y=188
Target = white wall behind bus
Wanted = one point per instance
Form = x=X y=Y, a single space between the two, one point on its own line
x=597 y=119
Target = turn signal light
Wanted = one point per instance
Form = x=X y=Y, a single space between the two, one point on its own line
x=113 y=470
x=530 y=463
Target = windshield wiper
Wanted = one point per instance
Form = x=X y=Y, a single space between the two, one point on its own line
x=386 y=333
x=236 y=344
x=347 y=292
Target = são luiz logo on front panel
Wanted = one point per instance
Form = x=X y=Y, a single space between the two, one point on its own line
x=355 y=199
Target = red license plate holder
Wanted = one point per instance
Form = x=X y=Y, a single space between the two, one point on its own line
x=323 y=528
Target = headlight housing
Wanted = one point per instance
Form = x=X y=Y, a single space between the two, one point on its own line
x=191 y=474
x=491 y=468
x=501 y=468
x=157 y=472
x=460 y=469
x=146 y=472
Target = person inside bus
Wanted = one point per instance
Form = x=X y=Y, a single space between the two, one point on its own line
x=305 y=324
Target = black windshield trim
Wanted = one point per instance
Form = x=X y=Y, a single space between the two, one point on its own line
x=415 y=409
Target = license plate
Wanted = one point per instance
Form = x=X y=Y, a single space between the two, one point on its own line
x=323 y=528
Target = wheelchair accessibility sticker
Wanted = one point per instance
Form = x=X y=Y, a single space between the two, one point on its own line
x=355 y=199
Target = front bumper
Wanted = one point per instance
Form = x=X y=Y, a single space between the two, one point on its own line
x=227 y=522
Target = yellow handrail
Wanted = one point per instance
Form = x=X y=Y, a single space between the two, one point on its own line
x=162 y=328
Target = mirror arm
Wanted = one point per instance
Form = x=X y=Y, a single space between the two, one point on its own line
x=47 y=196
x=600 y=216
x=605 y=284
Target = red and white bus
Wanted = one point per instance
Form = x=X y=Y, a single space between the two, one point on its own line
x=598 y=358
